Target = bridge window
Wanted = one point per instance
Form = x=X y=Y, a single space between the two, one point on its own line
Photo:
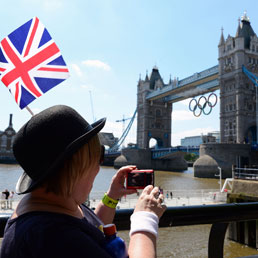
x=228 y=60
x=157 y=125
x=158 y=113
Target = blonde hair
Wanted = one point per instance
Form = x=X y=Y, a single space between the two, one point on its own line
x=81 y=163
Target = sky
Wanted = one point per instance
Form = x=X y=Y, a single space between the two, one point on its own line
x=109 y=44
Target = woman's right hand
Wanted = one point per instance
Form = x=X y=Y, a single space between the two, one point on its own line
x=150 y=200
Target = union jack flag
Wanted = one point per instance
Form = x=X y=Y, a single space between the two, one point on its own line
x=30 y=62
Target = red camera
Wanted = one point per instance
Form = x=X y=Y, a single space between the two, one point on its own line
x=138 y=179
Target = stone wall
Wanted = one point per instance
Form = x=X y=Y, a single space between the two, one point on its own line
x=142 y=159
x=223 y=155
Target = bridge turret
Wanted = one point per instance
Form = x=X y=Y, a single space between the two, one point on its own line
x=222 y=40
x=154 y=117
x=237 y=107
x=155 y=76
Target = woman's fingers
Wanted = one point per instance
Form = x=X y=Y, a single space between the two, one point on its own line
x=155 y=192
x=147 y=189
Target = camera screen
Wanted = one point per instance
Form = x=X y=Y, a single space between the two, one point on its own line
x=135 y=179
x=140 y=179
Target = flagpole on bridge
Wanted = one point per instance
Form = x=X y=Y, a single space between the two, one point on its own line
x=30 y=110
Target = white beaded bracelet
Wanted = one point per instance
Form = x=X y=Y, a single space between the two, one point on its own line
x=144 y=221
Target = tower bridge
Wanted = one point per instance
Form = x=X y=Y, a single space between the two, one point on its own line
x=238 y=107
x=192 y=86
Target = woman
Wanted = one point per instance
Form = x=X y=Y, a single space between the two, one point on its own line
x=61 y=154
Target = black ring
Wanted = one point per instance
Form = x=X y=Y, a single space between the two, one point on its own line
x=203 y=106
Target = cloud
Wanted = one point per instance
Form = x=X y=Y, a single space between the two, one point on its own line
x=182 y=115
x=77 y=69
x=87 y=87
x=117 y=129
x=97 y=64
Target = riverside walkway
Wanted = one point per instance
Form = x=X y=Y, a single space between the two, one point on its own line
x=178 y=198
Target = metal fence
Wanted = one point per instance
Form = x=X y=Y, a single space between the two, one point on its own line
x=217 y=215
x=245 y=173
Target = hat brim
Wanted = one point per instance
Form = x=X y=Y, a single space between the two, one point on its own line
x=25 y=184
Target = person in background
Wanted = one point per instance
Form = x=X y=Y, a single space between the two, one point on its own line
x=10 y=201
x=2 y=200
x=6 y=193
x=61 y=155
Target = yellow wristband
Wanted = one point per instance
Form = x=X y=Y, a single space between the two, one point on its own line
x=109 y=202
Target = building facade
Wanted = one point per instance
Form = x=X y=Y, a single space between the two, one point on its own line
x=153 y=117
x=237 y=93
x=195 y=141
x=6 y=143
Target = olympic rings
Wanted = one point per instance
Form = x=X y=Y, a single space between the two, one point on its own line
x=203 y=105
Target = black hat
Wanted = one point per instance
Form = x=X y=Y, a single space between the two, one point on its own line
x=43 y=144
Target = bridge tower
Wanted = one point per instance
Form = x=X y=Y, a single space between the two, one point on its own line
x=153 y=117
x=237 y=92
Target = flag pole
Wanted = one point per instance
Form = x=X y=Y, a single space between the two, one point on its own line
x=30 y=110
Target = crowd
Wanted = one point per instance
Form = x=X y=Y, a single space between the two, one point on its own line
x=7 y=199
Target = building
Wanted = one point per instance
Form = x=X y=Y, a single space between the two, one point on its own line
x=107 y=139
x=194 y=141
x=153 y=117
x=237 y=92
x=6 y=143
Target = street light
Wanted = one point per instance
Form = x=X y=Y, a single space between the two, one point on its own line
x=220 y=178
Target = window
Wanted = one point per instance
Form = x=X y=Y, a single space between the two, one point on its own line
x=158 y=113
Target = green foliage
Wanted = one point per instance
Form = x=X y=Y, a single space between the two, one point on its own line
x=191 y=157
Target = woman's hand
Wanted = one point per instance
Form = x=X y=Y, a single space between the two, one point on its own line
x=117 y=188
x=150 y=200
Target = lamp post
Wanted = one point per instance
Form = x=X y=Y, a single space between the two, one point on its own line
x=220 y=178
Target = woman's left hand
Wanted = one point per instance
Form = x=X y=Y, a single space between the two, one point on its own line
x=117 y=188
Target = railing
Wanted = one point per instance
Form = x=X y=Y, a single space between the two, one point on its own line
x=245 y=173
x=158 y=153
x=193 y=78
x=217 y=215
x=198 y=76
x=171 y=198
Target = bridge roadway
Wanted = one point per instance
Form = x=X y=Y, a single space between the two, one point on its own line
x=165 y=152
x=158 y=153
x=197 y=84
